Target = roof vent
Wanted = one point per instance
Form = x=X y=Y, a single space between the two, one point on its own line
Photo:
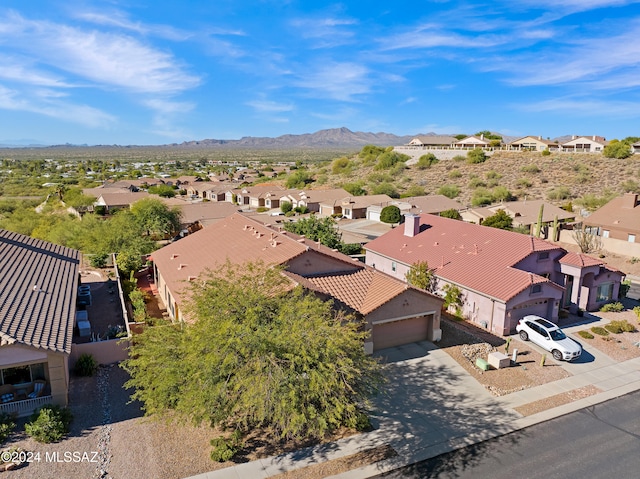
x=36 y=287
x=182 y=265
x=274 y=243
x=301 y=240
x=192 y=278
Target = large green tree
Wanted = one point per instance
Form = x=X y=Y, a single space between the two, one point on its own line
x=500 y=220
x=256 y=354
x=156 y=217
x=617 y=149
x=421 y=276
x=318 y=229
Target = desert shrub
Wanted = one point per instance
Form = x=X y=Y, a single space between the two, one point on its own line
x=530 y=168
x=455 y=174
x=459 y=158
x=476 y=183
x=585 y=334
x=388 y=159
x=501 y=193
x=476 y=156
x=413 y=190
x=7 y=425
x=48 y=424
x=450 y=191
x=481 y=197
x=225 y=448
x=261 y=209
x=624 y=289
x=99 y=260
x=380 y=178
x=636 y=310
x=493 y=175
x=390 y=214
x=286 y=206
x=559 y=193
x=599 y=331
x=617 y=149
x=341 y=166
x=630 y=186
x=523 y=183
x=86 y=365
x=363 y=423
x=385 y=189
x=301 y=209
x=451 y=213
x=355 y=189
x=298 y=179
x=425 y=161
x=592 y=202
x=617 y=327
x=612 y=307
x=546 y=152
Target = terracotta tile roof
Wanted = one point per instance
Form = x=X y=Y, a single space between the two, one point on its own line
x=38 y=284
x=238 y=239
x=205 y=211
x=476 y=257
x=525 y=212
x=363 y=290
x=580 y=260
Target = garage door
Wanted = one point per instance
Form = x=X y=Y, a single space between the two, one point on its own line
x=373 y=215
x=538 y=307
x=396 y=333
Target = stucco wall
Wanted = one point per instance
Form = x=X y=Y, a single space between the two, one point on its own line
x=617 y=246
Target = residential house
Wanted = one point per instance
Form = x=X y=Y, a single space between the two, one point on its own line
x=585 y=144
x=352 y=207
x=434 y=204
x=394 y=312
x=116 y=201
x=534 y=143
x=473 y=141
x=375 y=211
x=194 y=216
x=432 y=141
x=619 y=219
x=38 y=288
x=524 y=213
x=255 y=196
x=502 y=275
x=313 y=198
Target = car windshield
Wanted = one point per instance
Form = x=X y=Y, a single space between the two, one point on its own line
x=557 y=334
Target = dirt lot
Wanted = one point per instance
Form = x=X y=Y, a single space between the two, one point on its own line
x=466 y=343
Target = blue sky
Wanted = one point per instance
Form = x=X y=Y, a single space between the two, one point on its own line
x=142 y=72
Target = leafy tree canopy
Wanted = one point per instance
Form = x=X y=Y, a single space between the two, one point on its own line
x=298 y=179
x=499 y=220
x=488 y=135
x=390 y=214
x=166 y=191
x=451 y=213
x=317 y=229
x=421 y=276
x=617 y=149
x=156 y=217
x=257 y=355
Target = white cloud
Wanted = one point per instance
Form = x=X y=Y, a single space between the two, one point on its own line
x=23 y=71
x=583 y=107
x=106 y=59
x=270 y=106
x=342 y=81
x=329 y=31
x=49 y=106
x=121 y=20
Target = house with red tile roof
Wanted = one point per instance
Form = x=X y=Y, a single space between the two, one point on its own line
x=395 y=313
x=503 y=275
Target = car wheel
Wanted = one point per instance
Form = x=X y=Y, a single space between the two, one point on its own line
x=557 y=355
x=524 y=336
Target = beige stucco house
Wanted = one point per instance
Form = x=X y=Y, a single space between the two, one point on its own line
x=38 y=288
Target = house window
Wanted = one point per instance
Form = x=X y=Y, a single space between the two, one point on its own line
x=536 y=288
x=605 y=233
x=347 y=212
x=23 y=374
x=604 y=292
x=543 y=255
x=393 y=266
x=631 y=238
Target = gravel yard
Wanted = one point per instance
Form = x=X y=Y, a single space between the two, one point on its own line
x=465 y=343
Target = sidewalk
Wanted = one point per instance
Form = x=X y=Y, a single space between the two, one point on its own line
x=437 y=407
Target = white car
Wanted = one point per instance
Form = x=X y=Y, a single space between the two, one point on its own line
x=548 y=336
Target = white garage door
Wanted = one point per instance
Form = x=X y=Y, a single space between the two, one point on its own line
x=404 y=331
x=373 y=215
x=538 y=307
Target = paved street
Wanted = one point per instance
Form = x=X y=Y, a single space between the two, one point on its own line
x=598 y=441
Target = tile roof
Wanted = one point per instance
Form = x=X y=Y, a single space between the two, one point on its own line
x=580 y=260
x=617 y=214
x=476 y=257
x=364 y=290
x=526 y=212
x=432 y=203
x=238 y=239
x=122 y=199
x=209 y=210
x=38 y=283
x=539 y=139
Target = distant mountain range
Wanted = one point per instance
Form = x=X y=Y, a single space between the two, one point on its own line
x=331 y=138
x=334 y=137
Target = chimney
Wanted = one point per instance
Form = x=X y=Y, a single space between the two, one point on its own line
x=539 y=137
x=411 y=224
x=629 y=200
x=594 y=137
x=482 y=136
x=573 y=137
